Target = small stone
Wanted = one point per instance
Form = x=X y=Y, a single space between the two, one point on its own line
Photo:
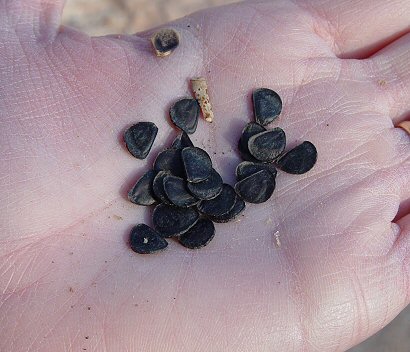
x=177 y=192
x=182 y=141
x=199 y=235
x=139 y=139
x=142 y=192
x=158 y=187
x=172 y=221
x=267 y=105
x=237 y=209
x=267 y=146
x=165 y=41
x=197 y=164
x=257 y=188
x=221 y=204
x=247 y=168
x=299 y=160
x=207 y=189
x=145 y=240
x=170 y=160
x=250 y=130
x=184 y=114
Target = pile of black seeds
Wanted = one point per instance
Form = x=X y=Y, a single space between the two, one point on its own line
x=189 y=194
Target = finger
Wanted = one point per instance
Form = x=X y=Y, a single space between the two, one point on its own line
x=356 y=29
x=391 y=70
x=37 y=19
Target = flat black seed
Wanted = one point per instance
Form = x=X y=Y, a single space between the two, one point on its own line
x=165 y=41
x=158 y=187
x=170 y=160
x=197 y=164
x=142 y=192
x=145 y=240
x=184 y=114
x=139 y=138
x=199 y=235
x=299 y=160
x=237 y=209
x=172 y=221
x=257 y=188
x=208 y=188
x=182 y=141
x=250 y=130
x=177 y=192
x=267 y=146
x=247 y=168
x=267 y=105
x=221 y=204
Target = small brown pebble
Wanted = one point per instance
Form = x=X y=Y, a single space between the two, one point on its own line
x=165 y=41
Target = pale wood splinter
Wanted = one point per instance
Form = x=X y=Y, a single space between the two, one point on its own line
x=200 y=89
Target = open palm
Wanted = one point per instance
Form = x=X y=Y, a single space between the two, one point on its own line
x=68 y=280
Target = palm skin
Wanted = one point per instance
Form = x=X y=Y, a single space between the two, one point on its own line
x=68 y=278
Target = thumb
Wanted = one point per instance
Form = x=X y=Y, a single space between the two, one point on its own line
x=31 y=19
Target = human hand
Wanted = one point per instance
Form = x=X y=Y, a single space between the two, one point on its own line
x=68 y=278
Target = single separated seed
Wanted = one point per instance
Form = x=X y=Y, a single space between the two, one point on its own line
x=267 y=105
x=145 y=240
x=299 y=160
x=139 y=138
x=199 y=235
x=267 y=146
x=184 y=114
x=172 y=221
x=165 y=41
x=257 y=188
x=142 y=192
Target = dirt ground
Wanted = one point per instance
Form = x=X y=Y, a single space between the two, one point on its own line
x=99 y=17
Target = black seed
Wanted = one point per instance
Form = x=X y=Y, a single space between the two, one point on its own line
x=140 y=138
x=199 y=235
x=172 y=221
x=158 y=187
x=197 y=163
x=208 y=188
x=165 y=41
x=299 y=160
x=177 y=192
x=267 y=105
x=142 y=192
x=182 y=141
x=184 y=114
x=267 y=146
x=145 y=240
x=237 y=209
x=170 y=160
x=257 y=188
x=250 y=130
x=247 y=168
x=220 y=205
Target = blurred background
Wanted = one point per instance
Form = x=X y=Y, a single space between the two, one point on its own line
x=99 y=17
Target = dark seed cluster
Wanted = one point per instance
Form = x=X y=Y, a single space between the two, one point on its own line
x=263 y=149
x=189 y=194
